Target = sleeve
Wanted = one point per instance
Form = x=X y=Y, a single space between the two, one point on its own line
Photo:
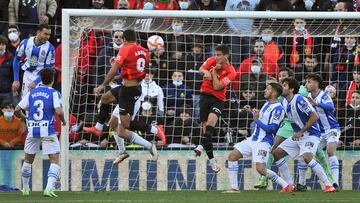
x=24 y=103
x=326 y=103
x=160 y=99
x=20 y=52
x=275 y=121
x=51 y=7
x=304 y=106
x=120 y=58
x=50 y=59
x=229 y=77
x=207 y=64
x=57 y=100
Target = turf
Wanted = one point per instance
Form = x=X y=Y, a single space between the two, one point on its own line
x=185 y=197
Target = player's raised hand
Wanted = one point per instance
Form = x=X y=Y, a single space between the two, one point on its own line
x=31 y=86
x=255 y=114
x=98 y=90
x=207 y=74
x=296 y=136
x=312 y=102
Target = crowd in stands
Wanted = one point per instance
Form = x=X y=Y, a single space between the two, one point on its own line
x=171 y=88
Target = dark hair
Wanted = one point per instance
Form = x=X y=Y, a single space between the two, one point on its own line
x=129 y=35
x=3 y=40
x=316 y=77
x=42 y=26
x=223 y=48
x=356 y=91
x=14 y=26
x=47 y=76
x=356 y=69
x=7 y=104
x=293 y=84
x=277 y=87
x=288 y=70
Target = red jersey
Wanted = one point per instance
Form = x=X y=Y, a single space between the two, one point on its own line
x=226 y=74
x=133 y=60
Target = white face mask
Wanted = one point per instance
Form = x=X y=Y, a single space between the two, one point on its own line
x=349 y=46
x=8 y=114
x=309 y=4
x=74 y=43
x=354 y=107
x=13 y=37
x=116 y=46
x=2 y=53
x=255 y=69
x=177 y=83
x=177 y=28
x=148 y=81
x=148 y=6
x=184 y=5
x=266 y=39
x=146 y=105
x=118 y=26
x=300 y=28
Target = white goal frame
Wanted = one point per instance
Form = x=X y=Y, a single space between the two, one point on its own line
x=66 y=69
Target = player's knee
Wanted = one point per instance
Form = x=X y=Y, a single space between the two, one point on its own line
x=54 y=158
x=234 y=155
x=277 y=154
x=307 y=157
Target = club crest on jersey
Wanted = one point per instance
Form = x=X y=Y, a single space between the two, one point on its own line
x=33 y=61
x=309 y=144
x=262 y=153
x=43 y=52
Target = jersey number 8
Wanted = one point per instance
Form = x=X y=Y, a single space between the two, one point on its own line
x=140 y=64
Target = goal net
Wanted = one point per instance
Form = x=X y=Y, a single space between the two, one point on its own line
x=264 y=46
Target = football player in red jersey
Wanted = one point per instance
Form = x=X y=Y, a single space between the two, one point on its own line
x=218 y=73
x=132 y=60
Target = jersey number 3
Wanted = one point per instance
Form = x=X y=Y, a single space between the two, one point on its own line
x=39 y=104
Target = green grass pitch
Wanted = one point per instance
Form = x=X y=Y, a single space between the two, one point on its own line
x=184 y=197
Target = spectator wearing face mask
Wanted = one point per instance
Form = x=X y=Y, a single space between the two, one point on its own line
x=274 y=5
x=14 y=38
x=177 y=94
x=98 y=4
x=152 y=91
x=342 y=61
x=11 y=128
x=123 y=4
x=311 y=5
x=158 y=5
x=6 y=72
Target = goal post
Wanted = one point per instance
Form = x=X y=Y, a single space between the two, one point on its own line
x=322 y=24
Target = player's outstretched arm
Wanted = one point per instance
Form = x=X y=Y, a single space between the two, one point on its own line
x=59 y=111
x=312 y=119
x=109 y=76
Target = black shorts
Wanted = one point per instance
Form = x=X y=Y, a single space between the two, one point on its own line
x=126 y=98
x=115 y=92
x=210 y=104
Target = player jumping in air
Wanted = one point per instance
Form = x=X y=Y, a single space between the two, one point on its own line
x=218 y=73
x=132 y=60
x=42 y=103
x=305 y=140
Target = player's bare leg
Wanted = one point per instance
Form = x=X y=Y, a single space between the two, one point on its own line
x=113 y=123
x=208 y=129
x=134 y=137
x=26 y=173
x=53 y=175
x=263 y=182
x=105 y=108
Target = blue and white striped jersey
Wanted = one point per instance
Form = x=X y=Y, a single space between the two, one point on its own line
x=270 y=117
x=35 y=58
x=298 y=110
x=41 y=103
x=325 y=109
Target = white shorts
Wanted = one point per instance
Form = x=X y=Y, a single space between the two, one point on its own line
x=50 y=145
x=258 y=150
x=306 y=144
x=28 y=78
x=329 y=137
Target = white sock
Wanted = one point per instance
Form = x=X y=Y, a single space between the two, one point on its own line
x=212 y=161
x=275 y=178
x=119 y=142
x=25 y=175
x=233 y=169
x=136 y=139
x=99 y=126
x=334 y=165
x=302 y=167
x=53 y=175
x=319 y=171
x=153 y=129
x=284 y=170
